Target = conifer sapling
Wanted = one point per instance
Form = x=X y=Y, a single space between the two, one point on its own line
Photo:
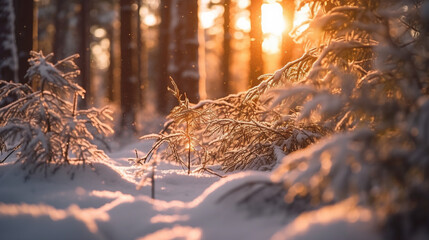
x=43 y=124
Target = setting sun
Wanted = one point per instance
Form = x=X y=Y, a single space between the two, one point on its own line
x=273 y=25
x=272 y=19
x=271 y=44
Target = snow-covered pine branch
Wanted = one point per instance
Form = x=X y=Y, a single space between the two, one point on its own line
x=43 y=125
x=370 y=84
x=49 y=75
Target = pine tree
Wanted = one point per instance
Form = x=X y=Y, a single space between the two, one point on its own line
x=43 y=125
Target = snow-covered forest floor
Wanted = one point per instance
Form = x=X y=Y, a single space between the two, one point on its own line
x=104 y=203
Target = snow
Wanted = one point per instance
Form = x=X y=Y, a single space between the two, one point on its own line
x=332 y=222
x=103 y=203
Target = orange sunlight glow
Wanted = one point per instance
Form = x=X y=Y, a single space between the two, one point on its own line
x=271 y=44
x=273 y=26
x=243 y=3
x=302 y=15
x=190 y=146
x=208 y=18
x=272 y=19
x=242 y=23
x=300 y=19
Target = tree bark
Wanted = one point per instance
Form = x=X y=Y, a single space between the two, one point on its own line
x=287 y=43
x=226 y=46
x=24 y=10
x=141 y=56
x=189 y=76
x=111 y=72
x=174 y=41
x=183 y=46
x=61 y=27
x=85 y=54
x=113 y=83
x=163 y=98
x=256 y=37
x=129 y=81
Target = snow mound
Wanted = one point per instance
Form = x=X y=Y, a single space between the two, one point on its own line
x=344 y=220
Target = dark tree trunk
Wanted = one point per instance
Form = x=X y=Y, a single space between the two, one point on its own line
x=141 y=56
x=129 y=81
x=174 y=41
x=113 y=73
x=61 y=27
x=226 y=46
x=188 y=79
x=287 y=43
x=8 y=50
x=85 y=54
x=178 y=47
x=24 y=10
x=164 y=99
x=36 y=25
x=256 y=62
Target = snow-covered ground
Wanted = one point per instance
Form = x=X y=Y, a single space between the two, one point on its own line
x=103 y=203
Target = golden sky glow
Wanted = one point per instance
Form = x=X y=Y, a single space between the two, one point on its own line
x=273 y=26
x=272 y=19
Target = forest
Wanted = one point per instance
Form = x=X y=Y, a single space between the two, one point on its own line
x=214 y=119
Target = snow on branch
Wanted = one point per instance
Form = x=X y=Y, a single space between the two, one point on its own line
x=42 y=125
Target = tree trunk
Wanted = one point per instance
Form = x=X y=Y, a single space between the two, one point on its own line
x=226 y=46
x=111 y=72
x=174 y=41
x=188 y=78
x=287 y=43
x=85 y=54
x=8 y=50
x=256 y=62
x=164 y=58
x=129 y=81
x=141 y=56
x=24 y=10
x=202 y=60
x=113 y=83
x=179 y=50
x=61 y=27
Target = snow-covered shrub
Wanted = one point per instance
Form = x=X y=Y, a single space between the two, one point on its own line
x=182 y=143
x=370 y=83
x=43 y=123
x=239 y=131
